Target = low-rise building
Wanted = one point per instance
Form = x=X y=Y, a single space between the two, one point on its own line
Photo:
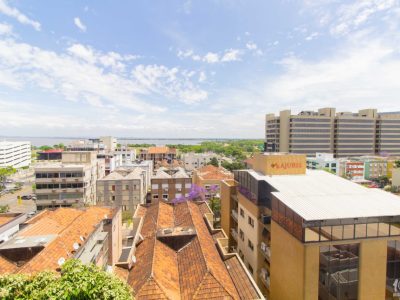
x=351 y=169
x=10 y=223
x=209 y=177
x=158 y=153
x=122 y=189
x=128 y=155
x=323 y=161
x=170 y=184
x=374 y=166
x=15 y=154
x=146 y=165
x=71 y=182
x=52 y=237
x=109 y=142
x=182 y=256
x=194 y=160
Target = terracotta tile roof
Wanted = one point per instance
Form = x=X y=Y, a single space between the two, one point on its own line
x=6 y=266
x=5 y=219
x=160 y=150
x=213 y=173
x=68 y=225
x=180 y=267
x=240 y=279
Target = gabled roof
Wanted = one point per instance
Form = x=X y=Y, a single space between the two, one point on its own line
x=211 y=172
x=182 y=266
x=162 y=175
x=181 y=173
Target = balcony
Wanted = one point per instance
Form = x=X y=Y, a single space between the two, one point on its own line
x=265 y=219
x=264 y=276
x=234 y=215
x=234 y=234
x=266 y=251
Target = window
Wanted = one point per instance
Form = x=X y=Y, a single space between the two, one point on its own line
x=127 y=187
x=250 y=269
x=241 y=234
x=393 y=268
x=251 y=222
x=250 y=245
x=154 y=186
x=242 y=212
x=338 y=272
x=165 y=196
x=113 y=198
x=113 y=188
x=155 y=196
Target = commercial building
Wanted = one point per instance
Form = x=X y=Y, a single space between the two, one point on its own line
x=122 y=189
x=323 y=161
x=209 y=177
x=351 y=169
x=170 y=184
x=69 y=182
x=308 y=234
x=15 y=154
x=50 y=238
x=344 y=134
x=193 y=160
x=157 y=154
x=180 y=255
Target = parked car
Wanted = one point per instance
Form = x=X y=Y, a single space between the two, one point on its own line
x=26 y=197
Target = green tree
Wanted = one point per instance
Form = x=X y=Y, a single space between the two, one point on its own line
x=214 y=162
x=45 y=147
x=4 y=173
x=77 y=281
x=397 y=163
x=4 y=208
x=236 y=165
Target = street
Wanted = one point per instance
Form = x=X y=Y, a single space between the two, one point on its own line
x=25 y=206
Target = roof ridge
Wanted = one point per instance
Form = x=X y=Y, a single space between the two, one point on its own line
x=198 y=287
x=223 y=287
x=155 y=241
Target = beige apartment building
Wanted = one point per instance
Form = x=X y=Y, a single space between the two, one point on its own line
x=209 y=178
x=71 y=182
x=122 y=188
x=311 y=235
x=170 y=184
x=344 y=134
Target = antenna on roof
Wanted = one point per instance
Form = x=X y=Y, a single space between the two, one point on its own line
x=61 y=261
x=75 y=246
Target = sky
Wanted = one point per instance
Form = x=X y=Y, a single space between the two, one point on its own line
x=190 y=68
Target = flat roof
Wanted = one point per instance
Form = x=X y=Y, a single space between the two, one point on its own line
x=319 y=195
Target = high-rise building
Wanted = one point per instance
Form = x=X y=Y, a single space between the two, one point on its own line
x=308 y=234
x=15 y=154
x=344 y=134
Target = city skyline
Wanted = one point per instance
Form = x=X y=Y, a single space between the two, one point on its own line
x=190 y=69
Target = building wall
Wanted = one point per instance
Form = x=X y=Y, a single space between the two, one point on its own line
x=167 y=186
x=15 y=154
x=396 y=177
x=193 y=161
x=124 y=193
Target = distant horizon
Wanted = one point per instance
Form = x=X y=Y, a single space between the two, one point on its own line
x=129 y=138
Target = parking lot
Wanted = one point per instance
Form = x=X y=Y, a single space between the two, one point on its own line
x=11 y=199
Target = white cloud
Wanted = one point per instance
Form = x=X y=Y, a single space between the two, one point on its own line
x=211 y=58
x=169 y=82
x=251 y=46
x=361 y=74
x=78 y=23
x=111 y=59
x=231 y=55
x=16 y=14
x=312 y=36
x=5 y=29
x=202 y=77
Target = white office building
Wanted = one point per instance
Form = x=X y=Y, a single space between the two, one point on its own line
x=15 y=154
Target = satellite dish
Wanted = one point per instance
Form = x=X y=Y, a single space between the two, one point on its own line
x=134 y=259
x=75 y=246
x=61 y=261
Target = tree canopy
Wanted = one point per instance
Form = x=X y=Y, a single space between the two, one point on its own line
x=76 y=282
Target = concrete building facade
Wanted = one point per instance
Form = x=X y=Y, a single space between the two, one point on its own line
x=324 y=161
x=15 y=154
x=122 y=189
x=344 y=134
x=71 y=182
x=193 y=160
x=168 y=185
x=209 y=178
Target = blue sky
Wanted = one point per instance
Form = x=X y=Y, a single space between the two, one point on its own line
x=194 y=68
